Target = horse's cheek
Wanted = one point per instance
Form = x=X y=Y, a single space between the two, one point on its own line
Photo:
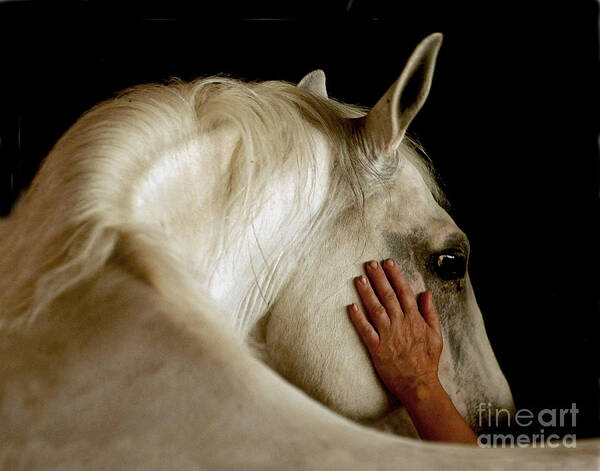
x=326 y=361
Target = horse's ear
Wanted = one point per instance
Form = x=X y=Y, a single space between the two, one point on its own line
x=388 y=120
x=314 y=82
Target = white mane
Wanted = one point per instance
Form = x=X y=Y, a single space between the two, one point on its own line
x=116 y=348
x=80 y=209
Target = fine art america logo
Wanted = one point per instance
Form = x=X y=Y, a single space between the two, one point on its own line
x=526 y=418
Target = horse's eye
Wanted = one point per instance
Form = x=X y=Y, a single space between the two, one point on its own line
x=450 y=265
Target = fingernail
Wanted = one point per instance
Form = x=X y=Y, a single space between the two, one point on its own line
x=353 y=307
x=362 y=279
x=389 y=263
x=373 y=264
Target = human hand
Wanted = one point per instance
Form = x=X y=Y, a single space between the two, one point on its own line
x=405 y=342
x=404 y=339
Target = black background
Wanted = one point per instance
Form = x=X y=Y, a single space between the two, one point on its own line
x=510 y=124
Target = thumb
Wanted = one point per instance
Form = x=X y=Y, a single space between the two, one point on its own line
x=429 y=311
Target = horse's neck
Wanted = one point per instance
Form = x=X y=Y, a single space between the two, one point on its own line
x=178 y=194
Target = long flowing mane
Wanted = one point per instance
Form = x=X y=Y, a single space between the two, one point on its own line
x=81 y=207
x=173 y=225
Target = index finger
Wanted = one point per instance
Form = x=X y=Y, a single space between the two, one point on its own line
x=404 y=292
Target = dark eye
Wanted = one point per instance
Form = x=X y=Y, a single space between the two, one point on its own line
x=450 y=265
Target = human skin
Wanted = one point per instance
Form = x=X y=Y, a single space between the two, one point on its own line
x=404 y=339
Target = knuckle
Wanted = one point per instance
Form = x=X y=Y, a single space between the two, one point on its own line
x=389 y=297
x=373 y=342
x=405 y=292
x=379 y=311
x=365 y=329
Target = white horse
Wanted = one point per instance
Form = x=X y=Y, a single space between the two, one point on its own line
x=175 y=228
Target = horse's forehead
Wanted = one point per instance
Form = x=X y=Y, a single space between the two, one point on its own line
x=409 y=205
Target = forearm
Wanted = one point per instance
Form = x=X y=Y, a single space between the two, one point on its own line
x=435 y=416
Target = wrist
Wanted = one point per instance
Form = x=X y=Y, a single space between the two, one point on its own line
x=424 y=389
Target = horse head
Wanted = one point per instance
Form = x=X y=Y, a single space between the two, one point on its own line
x=265 y=198
x=399 y=213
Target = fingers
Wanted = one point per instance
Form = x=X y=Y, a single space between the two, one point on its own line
x=404 y=292
x=385 y=291
x=429 y=311
x=375 y=310
x=364 y=328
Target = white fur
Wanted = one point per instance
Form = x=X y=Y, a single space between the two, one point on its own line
x=159 y=232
